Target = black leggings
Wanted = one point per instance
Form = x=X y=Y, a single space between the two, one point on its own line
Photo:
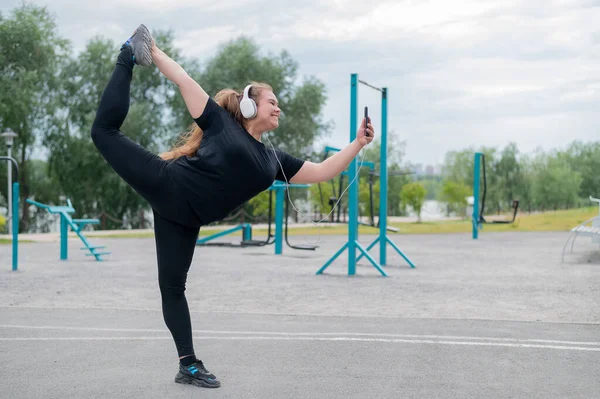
x=175 y=225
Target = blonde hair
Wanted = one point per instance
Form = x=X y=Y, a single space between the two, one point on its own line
x=189 y=142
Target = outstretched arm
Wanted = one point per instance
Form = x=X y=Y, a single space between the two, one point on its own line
x=319 y=172
x=194 y=96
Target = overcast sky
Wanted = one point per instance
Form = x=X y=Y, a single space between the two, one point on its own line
x=460 y=73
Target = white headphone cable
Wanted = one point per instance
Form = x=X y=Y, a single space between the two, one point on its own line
x=290 y=199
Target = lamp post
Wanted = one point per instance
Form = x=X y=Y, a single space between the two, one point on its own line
x=9 y=136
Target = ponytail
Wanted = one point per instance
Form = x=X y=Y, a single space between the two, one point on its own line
x=229 y=99
x=188 y=144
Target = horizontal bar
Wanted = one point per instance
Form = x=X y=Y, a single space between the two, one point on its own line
x=371 y=86
x=86 y=221
x=280 y=185
x=219 y=234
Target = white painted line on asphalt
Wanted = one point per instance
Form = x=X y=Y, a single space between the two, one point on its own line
x=302 y=334
x=66 y=328
x=306 y=334
x=332 y=339
x=299 y=314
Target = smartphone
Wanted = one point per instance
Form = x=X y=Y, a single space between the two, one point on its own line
x=366 y=120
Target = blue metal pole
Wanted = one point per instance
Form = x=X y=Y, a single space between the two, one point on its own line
x=476 y=170
x=353 y=191
x=246 y=232
x=383 y=182
x=64 y=238
x=15 y=225
x=279 y=198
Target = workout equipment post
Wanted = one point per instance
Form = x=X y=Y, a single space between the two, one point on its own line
x=383 y=238
x=476 y=177
x=280 y=189
x=478 y=218
x=352 y=245
x=15 y=214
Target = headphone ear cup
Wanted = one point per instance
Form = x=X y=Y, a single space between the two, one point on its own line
x=248 y=108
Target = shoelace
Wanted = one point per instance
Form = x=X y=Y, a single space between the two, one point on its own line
x=200 y=366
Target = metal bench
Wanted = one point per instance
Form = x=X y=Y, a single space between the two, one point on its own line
x=589 y=228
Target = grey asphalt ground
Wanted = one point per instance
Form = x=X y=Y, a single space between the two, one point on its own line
x=500 y=317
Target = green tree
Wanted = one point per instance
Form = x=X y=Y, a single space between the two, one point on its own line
x=585 y=159
x=364 y=197
x=31 y=54
x=240 y=61
x=322 y=193
x=524 y=185
x=508 y=173
x=432 y=186
x=413 y=194
x=555 y=182
x=455 y=194
x=80 y=170
x=458 y=166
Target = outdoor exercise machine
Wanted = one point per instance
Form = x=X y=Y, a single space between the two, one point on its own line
x=15 y=212
x=76 y=225
x=478 y=219
x=247 y=241
x=352 y=245
x=279 y=190
x=372 y=174
x=336 y=193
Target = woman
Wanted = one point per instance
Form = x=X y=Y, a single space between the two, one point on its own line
x=220 y=164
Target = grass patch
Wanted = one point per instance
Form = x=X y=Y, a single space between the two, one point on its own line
x=562 y=220
x=6 y=241
x=119 y=235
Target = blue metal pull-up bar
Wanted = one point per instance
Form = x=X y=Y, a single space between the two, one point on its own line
x=352 y=245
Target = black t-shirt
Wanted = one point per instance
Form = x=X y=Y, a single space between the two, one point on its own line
x=229 y=168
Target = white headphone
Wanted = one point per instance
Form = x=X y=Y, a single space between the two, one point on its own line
x=247 y=105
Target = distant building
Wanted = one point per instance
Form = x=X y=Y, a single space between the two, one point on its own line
x=418 y=169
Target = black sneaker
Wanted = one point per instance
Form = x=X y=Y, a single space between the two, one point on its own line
x=141 y=45
x=197 y=375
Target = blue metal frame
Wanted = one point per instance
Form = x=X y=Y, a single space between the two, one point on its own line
x=15 y=212
x=76 y=225
x=383 y=182
x=15 y=226
x=352 y=245
x=246 y=233
x=383 y=238
x=280 y=189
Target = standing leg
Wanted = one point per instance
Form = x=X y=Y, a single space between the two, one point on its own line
x=175 y=246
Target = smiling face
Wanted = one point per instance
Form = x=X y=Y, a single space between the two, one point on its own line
x=268 y=111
